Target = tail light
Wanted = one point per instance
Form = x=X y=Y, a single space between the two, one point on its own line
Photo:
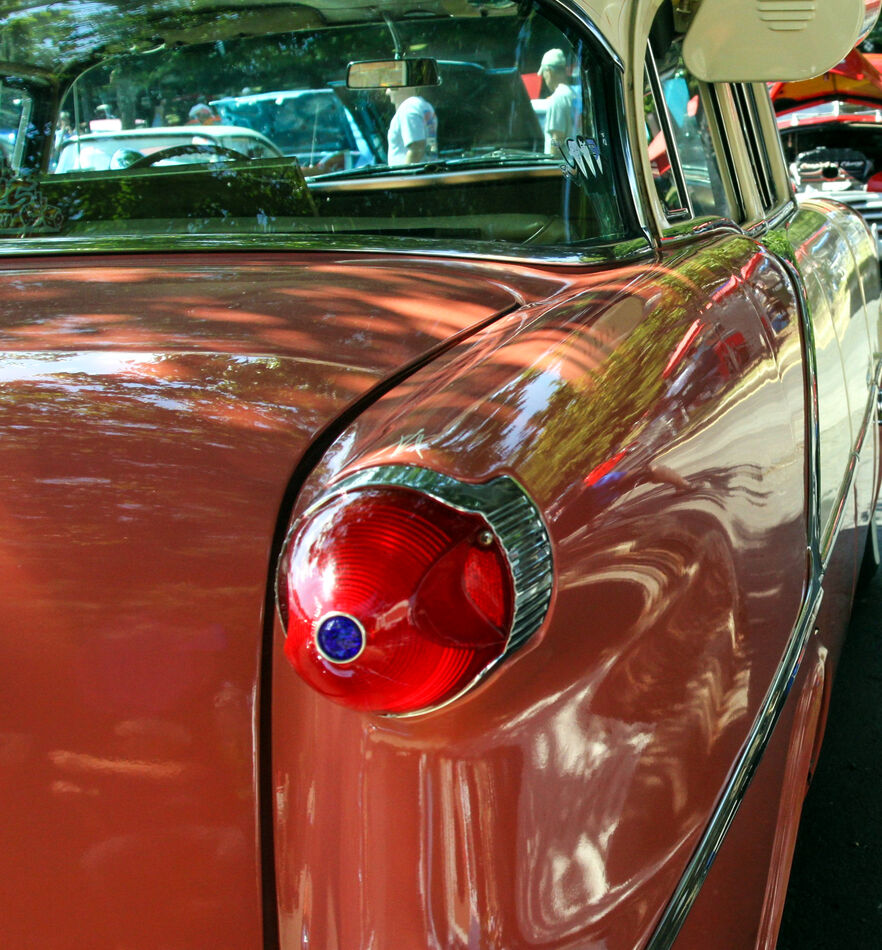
x=402 y=587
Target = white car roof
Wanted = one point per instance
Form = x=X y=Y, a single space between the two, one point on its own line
x=185 y=131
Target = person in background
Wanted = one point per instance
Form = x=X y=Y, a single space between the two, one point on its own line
x=158 y=118
x=104 y=120
x=201 y=114
x=413 y=131
x=63 y=129
x=561 y=103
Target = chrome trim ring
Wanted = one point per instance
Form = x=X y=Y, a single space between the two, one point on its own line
x=316 y=629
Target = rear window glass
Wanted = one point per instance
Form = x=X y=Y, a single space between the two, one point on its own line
x=244 y=122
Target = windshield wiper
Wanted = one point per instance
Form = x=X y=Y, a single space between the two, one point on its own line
x=363 y=171
x=501 y=158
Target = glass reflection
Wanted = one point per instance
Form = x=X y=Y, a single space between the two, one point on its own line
x=241 y=121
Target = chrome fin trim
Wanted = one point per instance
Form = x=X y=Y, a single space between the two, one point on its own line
x=708 y=847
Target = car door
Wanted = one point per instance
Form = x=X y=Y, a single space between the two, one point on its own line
x=812 y=287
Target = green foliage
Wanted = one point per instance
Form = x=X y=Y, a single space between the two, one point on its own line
x=270 y=188
x=873 y=43
x=587 y=420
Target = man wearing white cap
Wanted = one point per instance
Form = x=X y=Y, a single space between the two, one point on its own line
x=413 y=132
x=201 y=114
x=560 y=104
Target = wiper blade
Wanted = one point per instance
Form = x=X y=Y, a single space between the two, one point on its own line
x=501 y=158
x=363 y=171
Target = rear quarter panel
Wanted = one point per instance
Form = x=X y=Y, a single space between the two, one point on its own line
x=560 y=801
x=835 y=255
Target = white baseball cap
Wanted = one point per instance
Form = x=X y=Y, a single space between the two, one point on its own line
x=553 y=59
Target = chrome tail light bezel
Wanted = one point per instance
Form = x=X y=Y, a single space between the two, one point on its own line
x=509 y=513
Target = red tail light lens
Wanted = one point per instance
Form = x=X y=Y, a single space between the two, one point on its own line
x=395 y=601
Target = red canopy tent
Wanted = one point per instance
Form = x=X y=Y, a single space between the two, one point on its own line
x=855 y=79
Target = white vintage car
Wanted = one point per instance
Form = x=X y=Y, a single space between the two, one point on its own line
x=164 y=145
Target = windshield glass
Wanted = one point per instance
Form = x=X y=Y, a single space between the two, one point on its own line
x=446 y=122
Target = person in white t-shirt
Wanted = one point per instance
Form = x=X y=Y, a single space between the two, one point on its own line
x=560 y=105
x=413 y=131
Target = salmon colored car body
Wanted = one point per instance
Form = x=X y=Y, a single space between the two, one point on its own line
x=443 y=553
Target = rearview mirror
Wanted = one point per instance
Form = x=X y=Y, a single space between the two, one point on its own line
x=392 y=73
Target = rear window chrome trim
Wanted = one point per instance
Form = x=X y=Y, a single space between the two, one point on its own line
x=609 y=254
x=671 y=147
x=695 y=228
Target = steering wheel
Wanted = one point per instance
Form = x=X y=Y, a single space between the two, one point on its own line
x=189 y=148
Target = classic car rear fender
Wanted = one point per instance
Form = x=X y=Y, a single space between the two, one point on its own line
x=838 y=277
x=566 y=793
x=763 y=832
x=837 y=314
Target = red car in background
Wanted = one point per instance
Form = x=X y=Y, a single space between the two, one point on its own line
x=831 y=130
x=446 y=554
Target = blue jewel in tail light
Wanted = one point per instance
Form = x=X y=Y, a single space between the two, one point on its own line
x=339 y=638
x=401 y=588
